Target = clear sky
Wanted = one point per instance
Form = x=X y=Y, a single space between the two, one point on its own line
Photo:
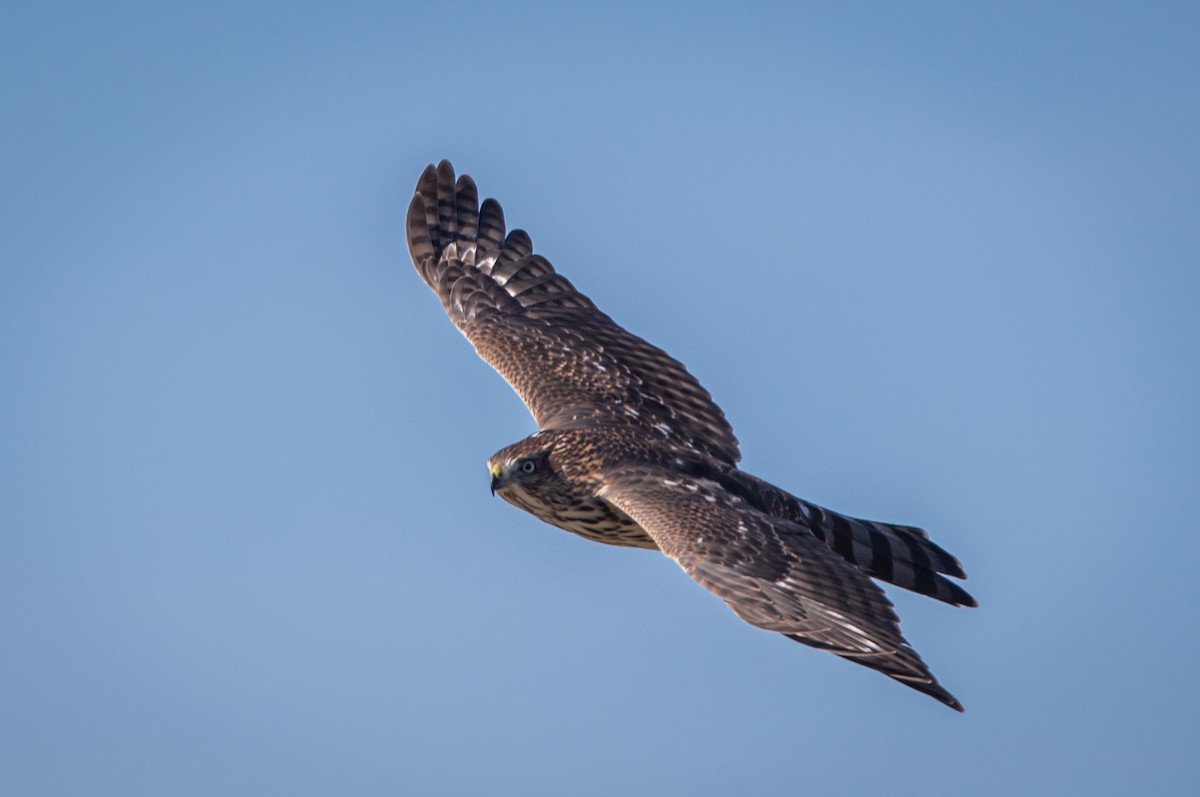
x=939 y=264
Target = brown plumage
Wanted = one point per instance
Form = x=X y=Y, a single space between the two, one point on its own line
x=632 y=451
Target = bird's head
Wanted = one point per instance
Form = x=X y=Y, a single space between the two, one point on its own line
x=523 y=466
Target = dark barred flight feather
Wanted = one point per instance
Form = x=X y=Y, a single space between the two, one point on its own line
x=632 y=451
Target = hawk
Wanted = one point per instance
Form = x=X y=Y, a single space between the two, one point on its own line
x=632 y=451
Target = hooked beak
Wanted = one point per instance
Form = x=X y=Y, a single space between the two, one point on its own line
x=497 y=481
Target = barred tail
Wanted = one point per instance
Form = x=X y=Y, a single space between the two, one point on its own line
x=900 y=555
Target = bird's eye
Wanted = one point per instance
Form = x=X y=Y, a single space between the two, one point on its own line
x=528 y=466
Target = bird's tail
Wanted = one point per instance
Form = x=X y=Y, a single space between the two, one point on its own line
x=900 y=555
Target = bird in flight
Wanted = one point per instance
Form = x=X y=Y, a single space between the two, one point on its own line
x=632 y=451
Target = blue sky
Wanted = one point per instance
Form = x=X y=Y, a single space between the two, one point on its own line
x=939 y=264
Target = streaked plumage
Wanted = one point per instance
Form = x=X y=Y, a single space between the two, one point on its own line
x=632 y=451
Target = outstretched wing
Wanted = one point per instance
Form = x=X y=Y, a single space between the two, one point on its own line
x=570 y=363
x=773 y=573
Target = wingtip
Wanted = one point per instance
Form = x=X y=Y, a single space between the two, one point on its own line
x=427 y=183
x=936 y=691
x=428 y=175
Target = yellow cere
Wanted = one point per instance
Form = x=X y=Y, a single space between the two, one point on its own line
x=496 y=470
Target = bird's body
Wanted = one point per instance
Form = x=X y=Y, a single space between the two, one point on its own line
x=633 y=452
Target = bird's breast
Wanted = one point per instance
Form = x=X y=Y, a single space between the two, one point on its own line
x=591 y=518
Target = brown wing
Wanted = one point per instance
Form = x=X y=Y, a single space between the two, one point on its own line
x=773 y=573
x=570 y=363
